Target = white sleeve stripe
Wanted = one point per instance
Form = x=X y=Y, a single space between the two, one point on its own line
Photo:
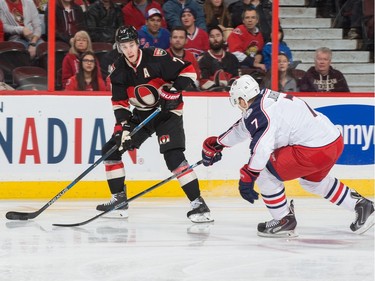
x=191 y=75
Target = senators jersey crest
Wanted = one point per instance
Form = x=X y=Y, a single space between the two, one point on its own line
x=159 y=52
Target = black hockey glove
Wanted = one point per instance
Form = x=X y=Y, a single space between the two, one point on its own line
x=122 y=138
x=170 y=99
x=211 y=152
x=246 y=184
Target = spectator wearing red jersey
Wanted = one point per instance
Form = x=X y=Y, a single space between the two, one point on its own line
x=80 y=43
x=177 y=42
x=264 y=11
x=88 y=77
x=197 y=42
x=246 y=41
x=135 y=11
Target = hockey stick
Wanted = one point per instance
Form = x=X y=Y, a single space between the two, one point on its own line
x=26 y=216
x=132 y=198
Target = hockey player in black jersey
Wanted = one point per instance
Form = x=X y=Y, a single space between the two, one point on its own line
x=140 y=79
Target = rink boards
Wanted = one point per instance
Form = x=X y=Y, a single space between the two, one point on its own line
x=46 y=141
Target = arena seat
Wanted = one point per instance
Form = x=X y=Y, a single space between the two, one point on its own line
x=26 y=75
x=12 y=55
x=61 y=49
x=256 y=73
x=101 y=48
x=298 y=74
x=32 y=87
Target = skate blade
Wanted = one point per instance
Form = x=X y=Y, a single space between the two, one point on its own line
x=367 y=225
x=199 y=228
x=117 y=214
x=281 y=234
x=201 y=218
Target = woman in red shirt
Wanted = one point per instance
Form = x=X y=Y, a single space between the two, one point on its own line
x=80 y=43
x=88 y=77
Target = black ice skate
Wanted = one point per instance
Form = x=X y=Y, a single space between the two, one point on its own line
x=364 y=214
x=116 y=199
x=200 y=212
x=280 y=228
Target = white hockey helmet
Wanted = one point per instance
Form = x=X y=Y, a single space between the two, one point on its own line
x=244 y=87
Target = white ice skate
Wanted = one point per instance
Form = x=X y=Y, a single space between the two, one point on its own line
x=200 y=213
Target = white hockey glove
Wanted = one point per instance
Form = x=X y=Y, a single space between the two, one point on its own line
x=122 y=138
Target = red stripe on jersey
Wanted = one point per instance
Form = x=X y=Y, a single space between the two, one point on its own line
x=274 y=201
x=189 y=71
x=338 y=193
x=121 y=103
x=112 y=167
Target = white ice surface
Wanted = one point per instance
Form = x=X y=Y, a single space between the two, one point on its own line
x=158 y=243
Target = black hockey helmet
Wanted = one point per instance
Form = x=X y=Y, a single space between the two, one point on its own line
x=126 y=33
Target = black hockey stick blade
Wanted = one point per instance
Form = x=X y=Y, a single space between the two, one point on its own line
x=21 y=216
x=132 y=198
x=26 y=216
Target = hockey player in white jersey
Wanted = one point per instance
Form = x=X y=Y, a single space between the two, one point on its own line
x=288 y=140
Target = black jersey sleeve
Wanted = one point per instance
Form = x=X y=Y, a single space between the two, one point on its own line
x=175 y=70
x=120 y=99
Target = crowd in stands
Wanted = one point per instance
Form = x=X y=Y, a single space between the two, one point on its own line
x=221 y=38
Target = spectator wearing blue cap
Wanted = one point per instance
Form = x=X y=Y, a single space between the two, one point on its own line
x=135 y=11
x=173 y=9
x=152 y=34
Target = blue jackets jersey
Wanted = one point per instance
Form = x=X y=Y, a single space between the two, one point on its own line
x=276 y=120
